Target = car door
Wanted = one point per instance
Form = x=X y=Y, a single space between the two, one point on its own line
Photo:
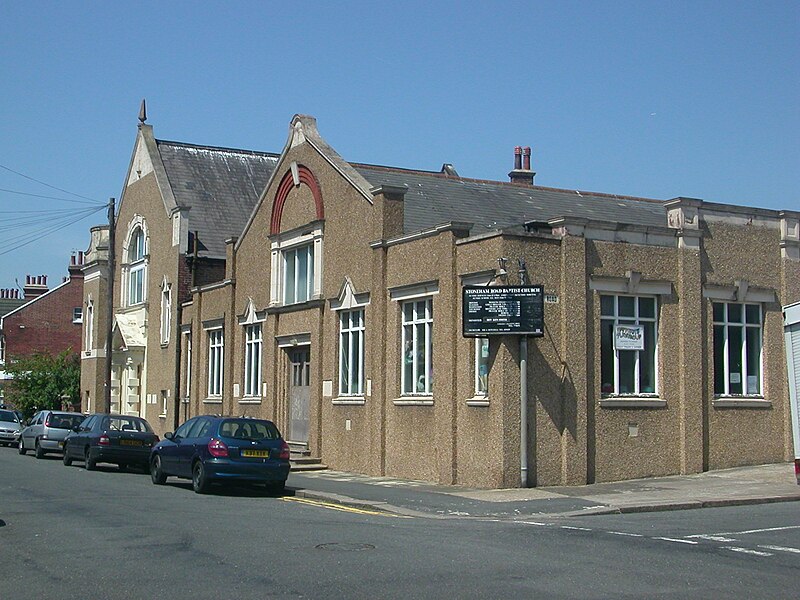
x=189 y=446
x=74 y=445
x=169 y=450
x=35 y=430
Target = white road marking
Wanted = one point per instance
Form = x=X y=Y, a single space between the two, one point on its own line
x=747 y=551
x=625 y=533
x=714 y=538
x=666 y=539
x=575 y=528
x=535 y=523
x=782 y=549
x=699 y=535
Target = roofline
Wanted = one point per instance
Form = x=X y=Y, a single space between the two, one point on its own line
x=221 y=148
x=32 y=300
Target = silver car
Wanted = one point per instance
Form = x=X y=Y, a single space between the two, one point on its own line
x=9 y=427
x=46 y=431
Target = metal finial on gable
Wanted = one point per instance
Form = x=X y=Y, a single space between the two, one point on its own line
x=143 y=112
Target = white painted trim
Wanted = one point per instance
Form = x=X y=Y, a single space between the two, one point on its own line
x=636 y=402
x=412 y=401
x=478 y=401
x=349 y=401
x=250 y=400
x=731 y=402
x=290 y=341
x=731 y=293
x=628 y=285
x=415 y=290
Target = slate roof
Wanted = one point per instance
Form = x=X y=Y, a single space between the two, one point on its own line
x=9 y=304
x=220 y=185
x=434 y=198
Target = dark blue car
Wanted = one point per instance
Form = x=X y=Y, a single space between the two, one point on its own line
x=213 y=449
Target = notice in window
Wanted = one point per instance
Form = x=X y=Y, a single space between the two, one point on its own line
x=629 y=337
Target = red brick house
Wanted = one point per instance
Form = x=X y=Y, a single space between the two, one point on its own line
x=49 y=320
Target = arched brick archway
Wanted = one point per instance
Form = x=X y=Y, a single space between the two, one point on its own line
x=305 y=176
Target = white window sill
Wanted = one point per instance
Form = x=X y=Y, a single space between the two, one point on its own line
x=413 y=401
x=740 y=402
x=632 y=402
x=250 y=400
x=185 y=400
x=212 y=401
x=162 y=416
x=478 y=401
x=349 y=401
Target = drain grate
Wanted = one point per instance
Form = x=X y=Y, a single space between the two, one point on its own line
x=347 y=547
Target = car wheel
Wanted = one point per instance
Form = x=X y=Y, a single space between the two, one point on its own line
x=278 y=486
x=88 y=462
x=123 y=466
x=67 y=458
x=38 y=451
x=200 y=482
x=156 y=474
x=21 y=447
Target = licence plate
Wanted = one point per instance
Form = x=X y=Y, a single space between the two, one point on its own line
x=256 y=453
x=130 y=442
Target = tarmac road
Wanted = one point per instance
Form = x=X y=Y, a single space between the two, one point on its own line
x=72 y=533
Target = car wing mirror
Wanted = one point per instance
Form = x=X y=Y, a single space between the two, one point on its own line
x=76 y=429
x=169 y=435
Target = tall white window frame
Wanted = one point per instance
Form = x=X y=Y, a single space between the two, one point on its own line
x=738 y=348
x=188 y=389
x=296 y=273
x=88 y=342
x=482 y=366
x=216 y=362
x=629 y=372
x=137 y=267
x=351 y=352
x=166 y=312
x=253 y=347
x=416 y=372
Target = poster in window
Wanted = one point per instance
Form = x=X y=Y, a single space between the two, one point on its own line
x=629 y=337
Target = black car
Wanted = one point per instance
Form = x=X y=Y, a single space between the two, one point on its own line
x=214 y=449
x=118 y=439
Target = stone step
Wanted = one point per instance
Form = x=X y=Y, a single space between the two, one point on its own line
x=307 y=463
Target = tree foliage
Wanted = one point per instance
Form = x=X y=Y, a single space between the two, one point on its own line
x=42 y=381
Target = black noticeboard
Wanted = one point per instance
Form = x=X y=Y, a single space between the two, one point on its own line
x=508 y=310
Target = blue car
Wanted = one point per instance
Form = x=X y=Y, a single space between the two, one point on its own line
x=213 y=449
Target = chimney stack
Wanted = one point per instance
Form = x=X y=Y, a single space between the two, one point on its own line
x=522 y=174
x=34 y=286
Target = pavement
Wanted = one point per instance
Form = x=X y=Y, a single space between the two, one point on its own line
x=729 y=487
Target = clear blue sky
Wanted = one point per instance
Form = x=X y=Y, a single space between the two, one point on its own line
x=645 y=98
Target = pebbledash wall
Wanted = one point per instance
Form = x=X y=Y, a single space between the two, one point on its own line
x=370 y=267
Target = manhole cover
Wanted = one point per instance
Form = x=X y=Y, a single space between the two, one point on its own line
x=345 y=547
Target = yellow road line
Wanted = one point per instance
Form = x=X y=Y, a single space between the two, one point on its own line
x=340 y=507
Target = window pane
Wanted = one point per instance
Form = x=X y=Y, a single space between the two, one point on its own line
x=607 y=357
x=647 y=308
x=344 y=363
x=734 y=313
x=408 y=312
x=355 y=383
x=607 y=306
x=735 y=357
x=753 y=314
x=719 y=312
x=627 y=364
x=753 y=360
x=482 y=366
x=408 y=358
x=647 y=361
x=626 y=306
x=719 y=358
x=289 y=280
x=420 y=310
x=421 y=385
x=302 y=275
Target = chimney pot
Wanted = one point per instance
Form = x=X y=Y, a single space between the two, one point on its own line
x=517 y=158
x=526 y=158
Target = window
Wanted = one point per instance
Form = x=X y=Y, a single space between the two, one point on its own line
x=417 y=368
x=137 y=267
x=164 y=396
x=482 y=366
x=88 y=343
x=628 y=345
x=351 y=353
x=166 y=311
x=252 y=360
x=737 y=348
x=188 y=390
x=77 y=315
x=2 y=349
x=298 y=274
x=215 y=365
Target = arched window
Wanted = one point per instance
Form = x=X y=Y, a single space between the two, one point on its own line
x=137 y=267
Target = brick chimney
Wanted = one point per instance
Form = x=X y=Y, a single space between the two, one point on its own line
x=35 y=285
x=522 y=174
x=76 y=262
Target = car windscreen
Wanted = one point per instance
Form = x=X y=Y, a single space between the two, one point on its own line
x=132 y=424
x=248 y=429
x=9 y=416
x=57 y=421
